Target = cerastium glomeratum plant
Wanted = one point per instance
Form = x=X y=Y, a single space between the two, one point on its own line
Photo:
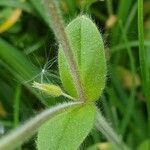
x=82 y=69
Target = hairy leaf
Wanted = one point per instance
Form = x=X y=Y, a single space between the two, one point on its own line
x=67 y=130
x=88 y=49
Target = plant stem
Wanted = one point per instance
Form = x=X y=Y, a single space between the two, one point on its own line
x=103 y=126
x=69 y=97
x=130 y=18
x=16 y=108
x=145 y=70
x=59 y=30
x=142 y=52
x=16 y=105
x=19 y=135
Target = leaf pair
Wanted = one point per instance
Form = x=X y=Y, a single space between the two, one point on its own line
x=68 y=130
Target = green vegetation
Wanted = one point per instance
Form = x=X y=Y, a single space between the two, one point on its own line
x=55 y=90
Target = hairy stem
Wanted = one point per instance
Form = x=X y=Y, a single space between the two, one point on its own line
x=103 y=126
x=69 y=97
x=18 y=136
x=59 y=30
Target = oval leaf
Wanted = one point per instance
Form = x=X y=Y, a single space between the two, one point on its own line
x=88 y=49
x=67 y=131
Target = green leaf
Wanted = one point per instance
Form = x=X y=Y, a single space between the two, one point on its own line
x=67 y=130
x=144 y=145
x=22 y=69
x=88 y=49
x=25 y=131
x=17 y=63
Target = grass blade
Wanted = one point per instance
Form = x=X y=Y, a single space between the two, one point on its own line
x=145 y=71
x=18 y=65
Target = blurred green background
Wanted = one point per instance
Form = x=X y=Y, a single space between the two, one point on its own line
x=28 y=53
